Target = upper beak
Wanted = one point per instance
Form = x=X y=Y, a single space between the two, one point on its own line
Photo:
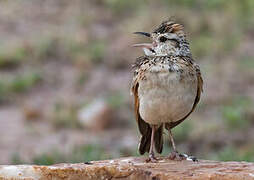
x=143 y=33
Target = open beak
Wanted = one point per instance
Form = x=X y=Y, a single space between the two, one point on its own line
x=143 y=45
x=147 y=47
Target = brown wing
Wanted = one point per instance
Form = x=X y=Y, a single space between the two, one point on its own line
x=144 y=128
x=199 y=91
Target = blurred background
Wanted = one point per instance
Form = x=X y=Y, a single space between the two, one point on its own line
x=65 y=75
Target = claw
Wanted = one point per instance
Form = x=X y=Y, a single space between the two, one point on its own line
x=176 y=156
x=179 y=157
x=151 y=158
x=192 y=158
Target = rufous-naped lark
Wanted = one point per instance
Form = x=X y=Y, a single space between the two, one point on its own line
x=166 y=86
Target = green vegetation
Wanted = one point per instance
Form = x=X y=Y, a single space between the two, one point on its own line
x=123 y=7
x=12 y=57
x=96 y=51
x=18 y=84
x=79 y=154
x=246 y=62
x=234 y=6
x=24 y=82
x=65 y=116
x=115 y=100
x=16 y=159
x=202 y=45
x=234 y=114
x=232 y=153
x=89 y=152
x=82 y=53
x=44 y=47
x=182 y=131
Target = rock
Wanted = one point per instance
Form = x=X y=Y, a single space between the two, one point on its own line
x=96 y=116
x=31 y=113
x=133 y=168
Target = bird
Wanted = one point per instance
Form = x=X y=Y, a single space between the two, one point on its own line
x=166 y=86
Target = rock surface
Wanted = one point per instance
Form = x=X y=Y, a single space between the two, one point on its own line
x=133 y=168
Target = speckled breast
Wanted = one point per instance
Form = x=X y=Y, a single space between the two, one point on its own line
x=166 y=92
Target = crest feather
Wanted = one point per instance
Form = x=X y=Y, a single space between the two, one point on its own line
x=168 y=26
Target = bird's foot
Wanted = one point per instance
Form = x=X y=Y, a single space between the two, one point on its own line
x=151 y=158
x=88 y=163
x=174 y=155
x=179 y=157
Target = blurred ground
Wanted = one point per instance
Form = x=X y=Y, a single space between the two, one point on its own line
x=65 y=74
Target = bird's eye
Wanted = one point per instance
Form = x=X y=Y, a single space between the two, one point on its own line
x=163 y=39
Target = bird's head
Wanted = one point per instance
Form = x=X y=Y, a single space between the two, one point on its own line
x=167 y=40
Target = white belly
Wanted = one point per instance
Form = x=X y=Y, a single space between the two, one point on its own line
x=165 y=98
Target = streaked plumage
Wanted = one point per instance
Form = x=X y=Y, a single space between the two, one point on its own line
x=167 y=84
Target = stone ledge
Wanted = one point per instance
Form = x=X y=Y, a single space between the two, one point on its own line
x=132 y=168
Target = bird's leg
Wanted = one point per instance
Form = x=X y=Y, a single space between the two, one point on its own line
x=172 y=140
x=174 y=155
x=151 y=150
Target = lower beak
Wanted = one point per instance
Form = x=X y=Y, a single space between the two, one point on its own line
x=143 y=45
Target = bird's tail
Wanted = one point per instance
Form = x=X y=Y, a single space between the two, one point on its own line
x=145 y=141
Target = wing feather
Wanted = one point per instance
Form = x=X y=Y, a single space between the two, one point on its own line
x=199 y=91
x=144 y=128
